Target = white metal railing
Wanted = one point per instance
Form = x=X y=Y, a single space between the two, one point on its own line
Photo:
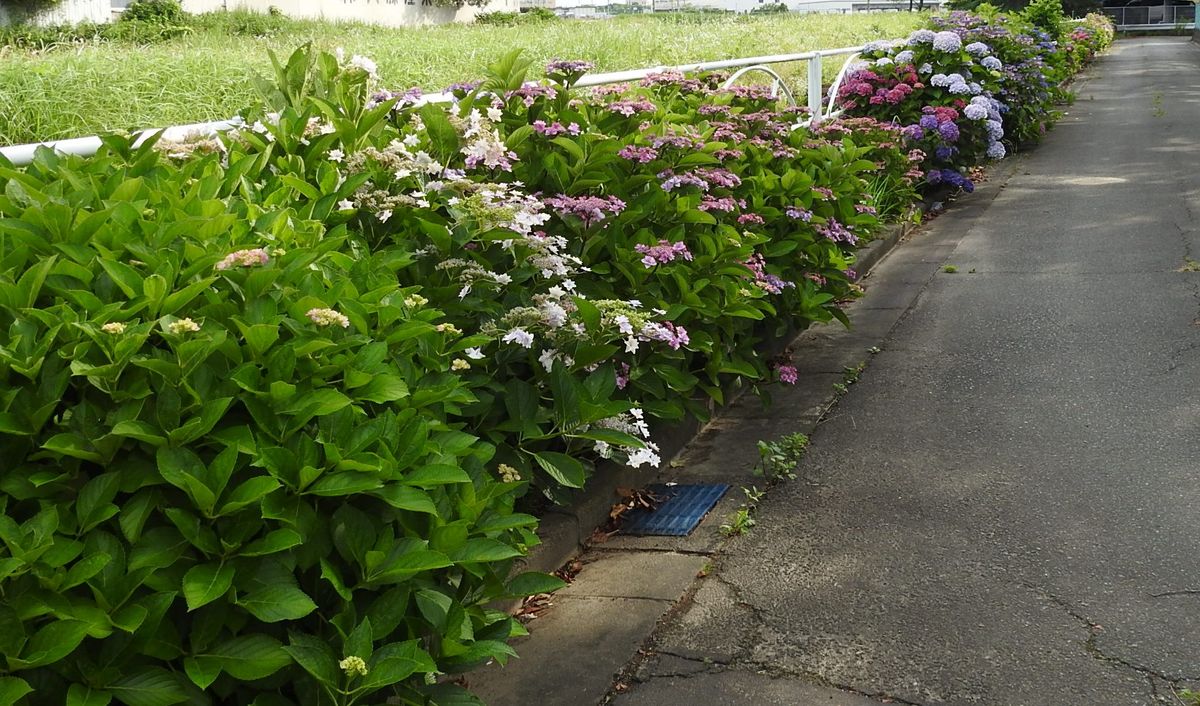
x=1153 y=16
x=87 y=146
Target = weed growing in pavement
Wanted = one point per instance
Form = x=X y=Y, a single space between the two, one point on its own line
x=949 y=269
x=778 y=459
x=1190 y=265
x=1156 y=102
x=742 y=520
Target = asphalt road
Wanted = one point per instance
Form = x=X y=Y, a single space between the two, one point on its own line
x=1004 y=510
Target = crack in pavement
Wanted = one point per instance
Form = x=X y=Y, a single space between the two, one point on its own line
x=1096 y=652
x=744 y=649
x=1183 y=592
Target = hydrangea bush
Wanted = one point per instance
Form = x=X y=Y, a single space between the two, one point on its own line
x=270 y=399
x=970 y=88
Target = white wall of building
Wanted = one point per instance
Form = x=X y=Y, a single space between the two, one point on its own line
x=395 y=13
x=69 y=12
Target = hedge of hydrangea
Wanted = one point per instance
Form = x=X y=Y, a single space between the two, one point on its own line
x=270 y=400
x=971 y=88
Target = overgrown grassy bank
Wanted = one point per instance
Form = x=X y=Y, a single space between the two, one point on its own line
x=73 y=90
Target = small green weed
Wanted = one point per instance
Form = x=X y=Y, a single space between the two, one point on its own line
x=742 y=520
x=1188 y=697
x=778 y=459
x=1156 y=103
x=1190 y=265
x=949 y=269
x=851 y=373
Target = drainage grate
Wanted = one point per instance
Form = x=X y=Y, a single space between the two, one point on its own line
x=679 y=513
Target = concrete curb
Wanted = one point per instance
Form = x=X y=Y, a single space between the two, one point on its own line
x=564 y=531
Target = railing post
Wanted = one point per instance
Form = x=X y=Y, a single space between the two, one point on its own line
x=814 y=87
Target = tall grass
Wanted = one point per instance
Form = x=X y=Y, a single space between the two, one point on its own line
x=205 y=75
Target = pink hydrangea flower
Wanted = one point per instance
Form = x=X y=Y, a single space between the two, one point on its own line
x=244 y=258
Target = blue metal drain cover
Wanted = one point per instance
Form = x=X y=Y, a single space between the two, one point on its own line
x=682 y=508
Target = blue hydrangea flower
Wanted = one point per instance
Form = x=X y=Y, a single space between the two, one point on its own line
x=904 y=57
x=948 y=131
x=994 y=129
x=943 y=153
x=925 y=68
x=978 y=49
x=991 y=62
x=947 y=42
x=921 y=36
x=976 y=89
x=996 y=150
x=959 y=88
x=929 y=122
x=883 y=61
x=974 y=111
x=941 y=80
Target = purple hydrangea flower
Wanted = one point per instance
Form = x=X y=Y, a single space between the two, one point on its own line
x=913 y=132
x=672 y=181
x=929 y=122
x=837 y=232
x=641 y=155
x=589 y=209
x=561 y=67
x=996 y=150
x=948 y=131
x=664 y=251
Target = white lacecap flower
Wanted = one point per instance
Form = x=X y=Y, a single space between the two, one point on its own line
x=519 y=336
x=362 y=62
x=474 y=353
x=113 y=327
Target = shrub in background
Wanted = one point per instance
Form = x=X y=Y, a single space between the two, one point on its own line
x=164 y=12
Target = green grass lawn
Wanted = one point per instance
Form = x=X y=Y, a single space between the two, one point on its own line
x=73 y=91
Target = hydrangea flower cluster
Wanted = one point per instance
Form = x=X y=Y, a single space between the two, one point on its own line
x=252 y=257
x=634 y=424
x=589 y=209
x=766 y=281
x=663 y=252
